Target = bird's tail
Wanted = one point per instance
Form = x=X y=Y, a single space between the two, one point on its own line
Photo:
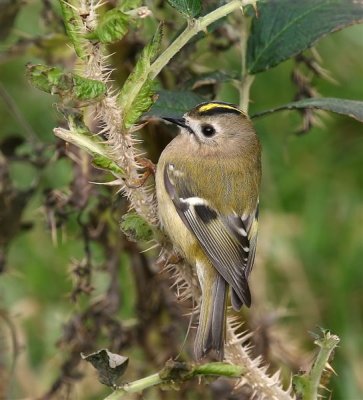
x=212 y=319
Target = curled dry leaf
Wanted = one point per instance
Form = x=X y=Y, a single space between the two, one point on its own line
x=110 y=366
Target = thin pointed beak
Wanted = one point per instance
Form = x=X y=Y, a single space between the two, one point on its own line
x=177 y=121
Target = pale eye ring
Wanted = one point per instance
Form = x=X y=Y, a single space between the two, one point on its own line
x=208 y=130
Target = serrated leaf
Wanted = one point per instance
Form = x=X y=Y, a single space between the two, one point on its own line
x=112 y=26
x=53 y=80
x=87 y=89
x=152 y=49
x=105 y=163
x=174 y=104
x=135 y=227
x=351 y=108
x=143 y=101
x=73 y=23
x=44 y=78
x=110 y=366
x=284 y=28
x=79 y=135
x=189 y=8
x=137 y=94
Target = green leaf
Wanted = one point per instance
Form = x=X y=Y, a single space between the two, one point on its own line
x=351 y=108
x=137 y=93
x=53 y=80
x=174 y=104
x=105 y=163
x=87 y=89
x=189 y=8
x=73 y=24
x=79 y=135
x=284 y=28
x=152 y=49
x=143 y=101
x=135 y=227
x=112 y=26
x=301 y=384
x=47 y=79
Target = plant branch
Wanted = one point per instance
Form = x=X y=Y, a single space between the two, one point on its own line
x=237 y=351
x=175 y=373
x=244 y=91
x=327 y=344
x=246 y=80
x=122 y=150
x=193 y=28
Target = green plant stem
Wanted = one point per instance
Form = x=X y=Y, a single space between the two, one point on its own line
x=176 y=373
x=327 y=344
x=136 y=386
x=246 y=79
x=244 y=89
x=193 y=28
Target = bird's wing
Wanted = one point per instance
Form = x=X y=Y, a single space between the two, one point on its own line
x=229 y=241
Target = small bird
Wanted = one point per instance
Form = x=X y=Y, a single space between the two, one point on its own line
x=207 y=187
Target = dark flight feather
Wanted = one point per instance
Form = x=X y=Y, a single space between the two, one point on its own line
x=224 y=238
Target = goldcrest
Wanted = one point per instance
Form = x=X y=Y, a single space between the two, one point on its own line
x=207 y=186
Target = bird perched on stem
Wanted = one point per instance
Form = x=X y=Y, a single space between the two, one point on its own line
x=207 y=186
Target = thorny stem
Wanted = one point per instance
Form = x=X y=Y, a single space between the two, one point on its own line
x=176 y=373
x=327 y=344
x=237 y=352
x=121 y=144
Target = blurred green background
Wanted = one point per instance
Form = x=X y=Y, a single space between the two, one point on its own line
x=310 y=252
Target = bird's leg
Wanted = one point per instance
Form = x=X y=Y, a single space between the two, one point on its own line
x=168 y=258
x=150 y=169
x=147 y=164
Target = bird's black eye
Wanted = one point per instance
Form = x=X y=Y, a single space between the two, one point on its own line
x=208 y=130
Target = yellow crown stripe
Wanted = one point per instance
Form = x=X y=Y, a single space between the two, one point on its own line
x=211 y=106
